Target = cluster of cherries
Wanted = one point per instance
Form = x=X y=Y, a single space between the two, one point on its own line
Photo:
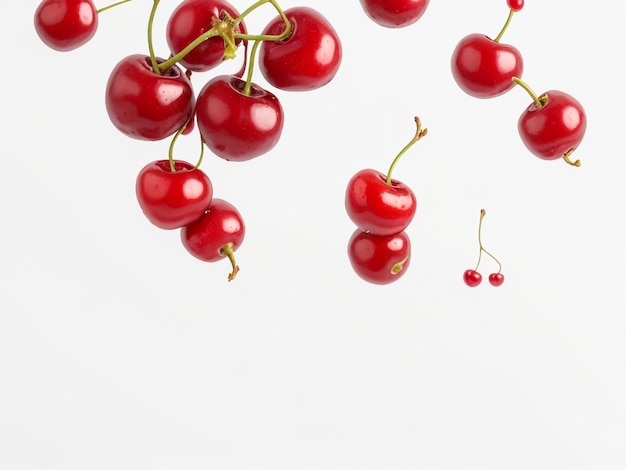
x=382 y=208
x=151 y=98
x=552 y=126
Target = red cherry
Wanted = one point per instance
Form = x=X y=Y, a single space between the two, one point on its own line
x=377 y=207
x=515 y=5
x=215 y=235
x=307 y=59
x=145 y=105
x=236 y=126
x=188 y=21
x=171 y=199
x=553 y=126
x=394 y=13
x=472 y=278
x=483 y=68
x=65 y=25
x=379 y=259
x=496 y=279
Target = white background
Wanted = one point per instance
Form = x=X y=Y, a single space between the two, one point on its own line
x=118 y=350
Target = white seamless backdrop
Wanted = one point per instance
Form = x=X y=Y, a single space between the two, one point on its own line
x=118 y=350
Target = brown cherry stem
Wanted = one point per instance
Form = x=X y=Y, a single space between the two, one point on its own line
x=228 y=251
x=419 y=133
x=566 y=156
x=480 y=244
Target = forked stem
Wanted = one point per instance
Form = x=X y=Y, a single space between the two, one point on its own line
x=419 y=133
x=229 y=251
x=480 y=244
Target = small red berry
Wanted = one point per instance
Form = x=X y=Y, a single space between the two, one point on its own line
x=515 y=5
x=496 y=279
x=472 y=278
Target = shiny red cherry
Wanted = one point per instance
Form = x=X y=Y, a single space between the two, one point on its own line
x=377 y=207
x=379 y=259
x=554 y=128
x=515 y=5
x=308 y=58
x=215 y=235
x=483 y=68
x=496 y=279
x=234 y=125
x=65 y=25
x=394 y=13
x=171 y=199
x=472 y=278
x=146 y=105
x=188 y=21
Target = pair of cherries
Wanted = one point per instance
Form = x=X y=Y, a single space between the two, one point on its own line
x=471 y=276
x=382 y=208
x=552 y=126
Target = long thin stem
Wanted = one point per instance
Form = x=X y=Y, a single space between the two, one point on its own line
x=100 y=10
x=538 y=100
x=480 y=244
x=153 y=60
x=251 y=62
x=419 y=133
x=506 y=25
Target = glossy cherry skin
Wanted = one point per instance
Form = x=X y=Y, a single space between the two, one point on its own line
x=472 y=278
x=145 y=105
x=235 y=126
x=172 y=199
x=484 y=68
x=394 y=13
x=377 y=207
x=515 y=5
x=65 y=25
x=555 y=128
x=207 y=237
x=188 y=21
x=308 y=59
x=379 y=259
x=496 y=279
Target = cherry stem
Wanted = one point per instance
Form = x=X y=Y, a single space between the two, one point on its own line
x=566 y=156
x=228 y=251
x=505 y=27
x=111 y=6
x=248 y=86
x=173 y=143
x=419 y=133
x=480 y=244
x=153 y=60
x=399 y=266
x=539 y=101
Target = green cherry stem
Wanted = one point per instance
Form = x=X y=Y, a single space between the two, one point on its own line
x=253 y=7
x=419 y=133
x=251 y=62
x=228 y=251
x=480 y=244
x=108 y=7
x=505 y=27
x=153 y=60
x=539 y=101
x=173 y=143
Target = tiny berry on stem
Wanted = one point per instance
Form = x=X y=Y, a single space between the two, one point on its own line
x=472 y=277
x=515 y=5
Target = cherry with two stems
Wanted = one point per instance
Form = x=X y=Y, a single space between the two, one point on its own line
x=379 y=204
x=216 y=235
x=553 y=125
x=65 y=25
x=394 y=13
x=483 y=67
x=472 y=277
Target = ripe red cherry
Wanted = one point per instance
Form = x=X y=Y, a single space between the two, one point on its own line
x=496 y=279
x=394 y=13
x=65 y=25
x=515 y=5
x=215 y=235
x=171 y=199
x=553 y=125
x=483 y=67
x=379 y=204
x=472 y=278
x=188 y=21
x=379 y=259
x=307 y=59
x=236 y=126
x=145 y=105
